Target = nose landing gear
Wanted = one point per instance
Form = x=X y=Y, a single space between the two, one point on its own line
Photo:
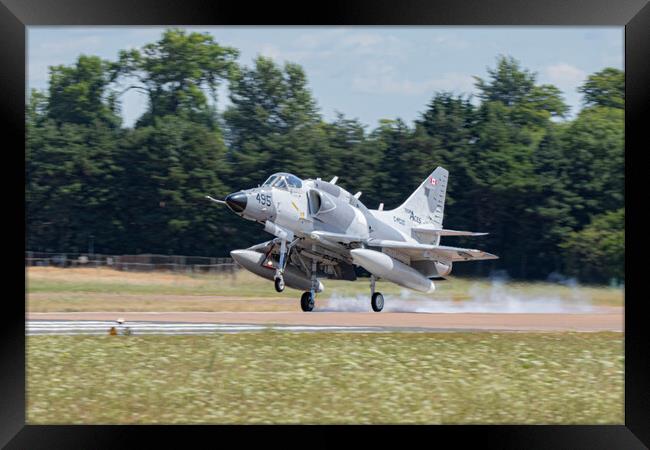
x=279 y=284
x=279 y=279
x=279 y=272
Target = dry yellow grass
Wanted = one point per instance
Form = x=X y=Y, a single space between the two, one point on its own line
x=106 y=280
x=88 y=301
x=106 y=274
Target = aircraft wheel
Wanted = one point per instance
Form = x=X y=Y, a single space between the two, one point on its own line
x=279 y=284
x=377 y=302
x=306 y=302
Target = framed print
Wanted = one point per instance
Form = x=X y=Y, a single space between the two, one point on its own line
x=372 y=214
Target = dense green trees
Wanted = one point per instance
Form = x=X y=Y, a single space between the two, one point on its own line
x=176 y=72
x=597 y=252
x=169 y=168
x=605 y=88
x=548 y=189
x=272 y=123
x=72 y=134
x=79 y=94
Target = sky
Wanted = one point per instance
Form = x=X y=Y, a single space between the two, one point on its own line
x=365 y=72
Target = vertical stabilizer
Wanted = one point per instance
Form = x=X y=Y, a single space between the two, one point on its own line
x=428 y=200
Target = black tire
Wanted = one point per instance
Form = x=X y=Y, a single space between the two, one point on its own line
x=279 y=284
x=306 y=302
x=377 y=302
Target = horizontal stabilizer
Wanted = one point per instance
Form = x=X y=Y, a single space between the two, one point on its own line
x=463 y=254
x=435 y=251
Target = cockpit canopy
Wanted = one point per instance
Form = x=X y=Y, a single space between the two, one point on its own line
x=283 y=180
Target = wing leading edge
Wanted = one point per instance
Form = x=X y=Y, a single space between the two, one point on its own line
x=444 y=232
x=413 y=249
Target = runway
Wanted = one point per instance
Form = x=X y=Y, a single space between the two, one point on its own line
x=600 y=319
x=102 y=327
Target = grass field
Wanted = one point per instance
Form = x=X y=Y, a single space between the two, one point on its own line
x=280 y=377
x=102 y=289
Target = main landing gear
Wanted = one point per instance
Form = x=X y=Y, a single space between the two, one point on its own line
x=308 y=298
x=376 y=299
x=377 y=302
x=307 y=301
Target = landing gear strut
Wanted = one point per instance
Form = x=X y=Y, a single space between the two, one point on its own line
x=279 y=278
x=376 y=299
x=279 y=272
x=307 y=299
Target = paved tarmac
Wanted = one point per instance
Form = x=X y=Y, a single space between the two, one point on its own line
x=599 y=319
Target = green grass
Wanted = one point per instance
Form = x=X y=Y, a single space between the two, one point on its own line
x=280 y=377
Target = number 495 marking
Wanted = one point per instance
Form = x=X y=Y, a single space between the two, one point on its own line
x=264 y=199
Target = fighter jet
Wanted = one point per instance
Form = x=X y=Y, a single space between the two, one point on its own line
x=322 y=231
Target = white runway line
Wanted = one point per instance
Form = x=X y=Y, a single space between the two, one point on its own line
x=96 y=327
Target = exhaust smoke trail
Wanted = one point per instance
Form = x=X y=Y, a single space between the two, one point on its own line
x=499 y=297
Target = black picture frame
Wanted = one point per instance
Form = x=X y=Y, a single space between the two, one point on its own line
x=16 y=15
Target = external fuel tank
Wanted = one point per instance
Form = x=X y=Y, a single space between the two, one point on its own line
x=387 y=267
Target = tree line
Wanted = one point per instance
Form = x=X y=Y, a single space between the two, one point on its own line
x=548 y=189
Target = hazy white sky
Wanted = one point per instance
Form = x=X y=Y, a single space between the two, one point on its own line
x=367 y=72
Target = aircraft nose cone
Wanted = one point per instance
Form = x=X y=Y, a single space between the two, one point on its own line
x=236 y=201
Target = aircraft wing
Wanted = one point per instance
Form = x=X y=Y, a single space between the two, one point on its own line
x=443 y=232
x=426 y=251
x=399 y=244
x=334 y=237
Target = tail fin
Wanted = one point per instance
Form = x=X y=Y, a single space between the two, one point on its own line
x=427 y=202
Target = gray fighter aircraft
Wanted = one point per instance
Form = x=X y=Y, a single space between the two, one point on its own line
x=323 y=231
